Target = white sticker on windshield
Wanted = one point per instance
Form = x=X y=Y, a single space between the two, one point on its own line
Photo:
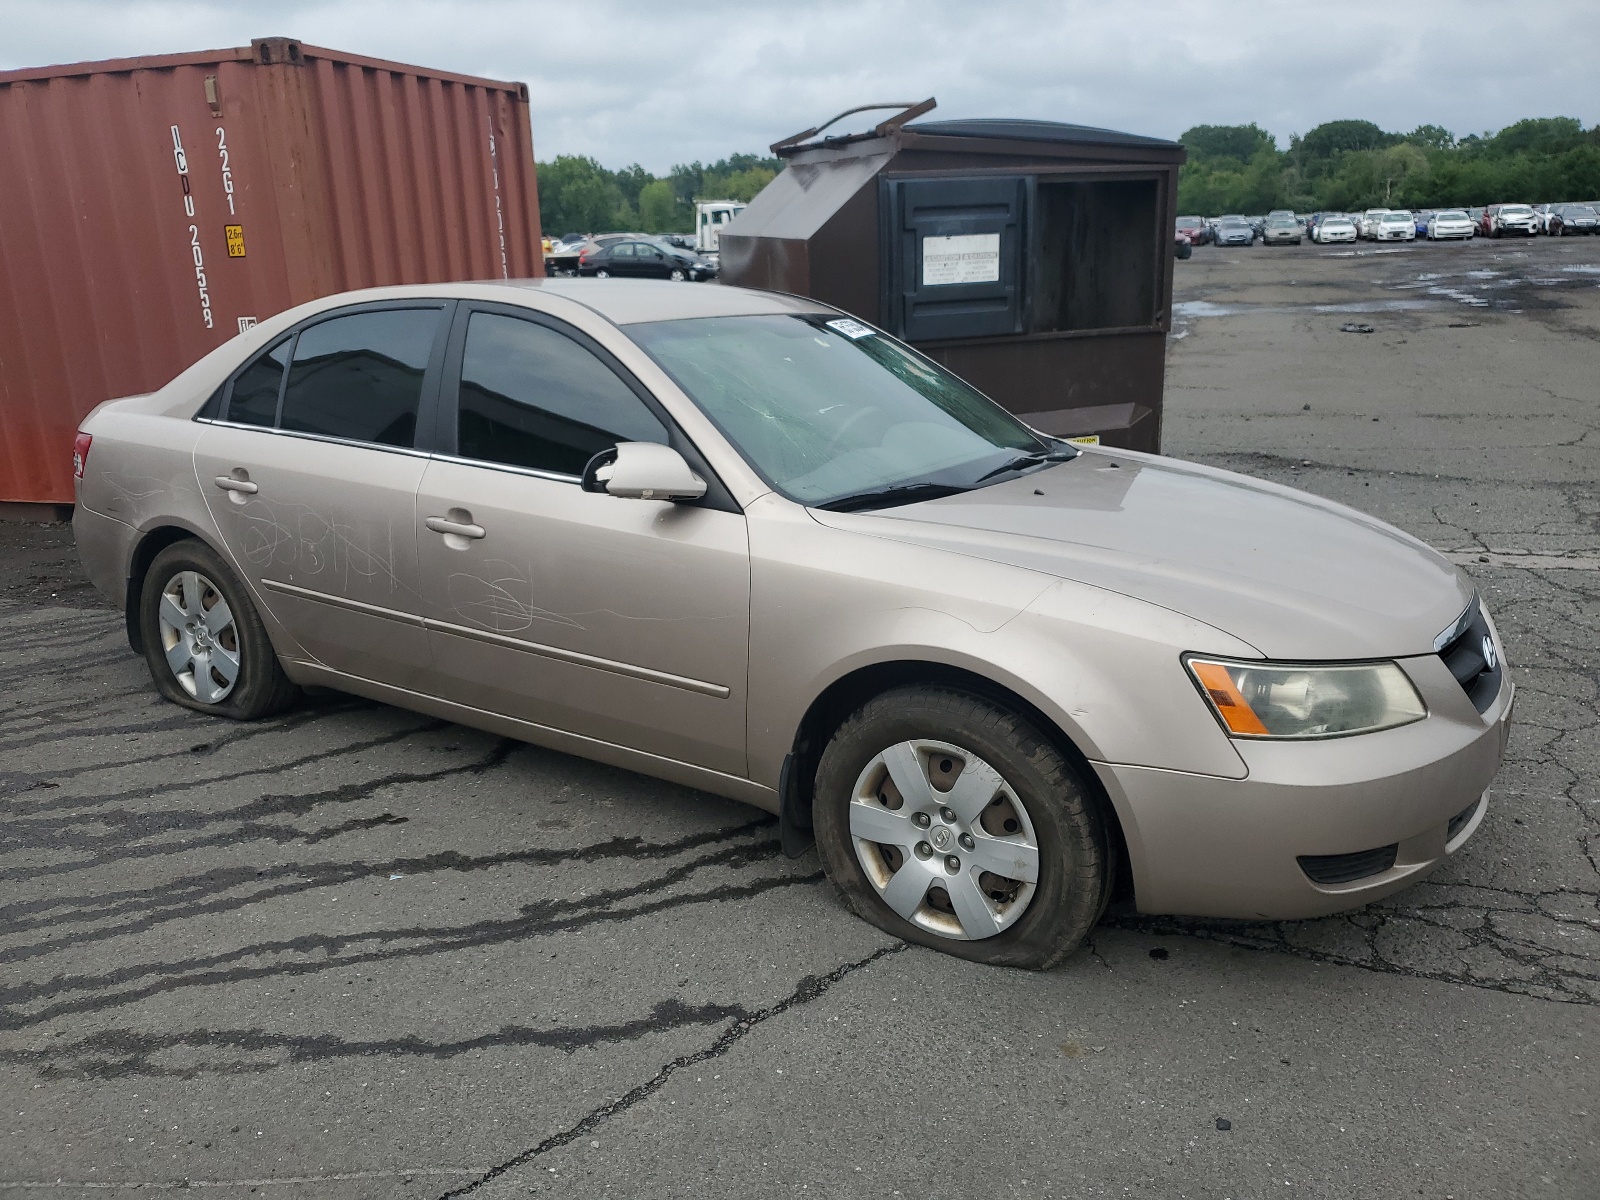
x=854 y=330
x=967 y=258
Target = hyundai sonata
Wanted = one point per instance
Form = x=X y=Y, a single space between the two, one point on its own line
x=754 y=545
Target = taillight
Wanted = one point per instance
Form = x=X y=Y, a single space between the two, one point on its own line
x=80 y=454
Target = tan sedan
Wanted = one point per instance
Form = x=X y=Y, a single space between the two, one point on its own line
x=750 y=544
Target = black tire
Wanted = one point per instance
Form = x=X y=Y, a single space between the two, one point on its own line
x=260 y=688
x=1076 y=866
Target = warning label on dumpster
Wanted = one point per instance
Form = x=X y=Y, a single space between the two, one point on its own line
x=967 y=258
x=235 y=237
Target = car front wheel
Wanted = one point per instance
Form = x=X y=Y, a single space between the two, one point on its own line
x=950 y=821
x=203 y=640
x=677 y=275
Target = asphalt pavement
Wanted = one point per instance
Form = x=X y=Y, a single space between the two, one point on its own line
x=356 y=952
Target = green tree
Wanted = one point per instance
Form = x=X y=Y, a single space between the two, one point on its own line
x=1432 y=137
x=1333 y=137
x=660 y=210
x=577 y=194
x=1540 y=135
x=1239 y=142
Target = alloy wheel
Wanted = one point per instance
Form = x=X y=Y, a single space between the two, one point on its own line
x=944 y=840
x=198 y=637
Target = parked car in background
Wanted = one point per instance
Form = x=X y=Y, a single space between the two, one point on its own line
x=1541 y=216
x=747 y=543
x=1501 y=219
x=1196 y=229
x=1367 y=222
x=1259 y=224
x=1568 y=219
x=1235 y=231
x=1395 y=227
x=1448 y=223
x=1332 y=227
x=1420 y=217
x=562 y=257
x=1281 y=230
x=1476 y=216
x=638 y=258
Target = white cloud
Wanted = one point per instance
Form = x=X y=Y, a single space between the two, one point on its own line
x=671 y=81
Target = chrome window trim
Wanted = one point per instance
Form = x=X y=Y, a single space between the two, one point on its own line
x=1454 y=630
x=511 y=468
x=318 y=437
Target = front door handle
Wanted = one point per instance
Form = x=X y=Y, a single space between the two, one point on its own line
x=458 y=528
x=229 y=484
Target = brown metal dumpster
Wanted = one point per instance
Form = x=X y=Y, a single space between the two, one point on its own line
x=152 y=208
x=1033 y=259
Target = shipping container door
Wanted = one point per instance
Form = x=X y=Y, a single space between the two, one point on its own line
x=954 y=252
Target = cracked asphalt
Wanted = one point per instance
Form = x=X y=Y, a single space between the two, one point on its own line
x=355 y=952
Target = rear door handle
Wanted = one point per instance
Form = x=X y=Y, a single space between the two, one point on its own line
x=229 y=484
x=459 y=528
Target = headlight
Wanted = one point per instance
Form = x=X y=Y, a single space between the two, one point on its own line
x=1277 y=700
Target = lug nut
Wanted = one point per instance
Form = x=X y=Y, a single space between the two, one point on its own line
x=952 y=863
x=924 y=850
x=948 y=817
x=921 y=820
x=966 y=841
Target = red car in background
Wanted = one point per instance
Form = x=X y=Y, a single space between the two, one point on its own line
x=1198 y=232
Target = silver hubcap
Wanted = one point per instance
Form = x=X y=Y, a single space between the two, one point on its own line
x=944 y=839
x=198 y=637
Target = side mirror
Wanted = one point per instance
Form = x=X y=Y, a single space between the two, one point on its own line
x=642 y=471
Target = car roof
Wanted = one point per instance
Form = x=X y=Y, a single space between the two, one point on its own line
x=629 y=301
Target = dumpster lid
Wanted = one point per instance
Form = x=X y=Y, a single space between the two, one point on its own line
x=1033 y=131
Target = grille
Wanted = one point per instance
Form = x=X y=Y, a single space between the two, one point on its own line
x=1460 y=820
x=1345 y=868
x=1465 y=658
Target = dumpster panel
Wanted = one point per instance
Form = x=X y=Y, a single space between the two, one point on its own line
x=954 y=257
x=154 y=207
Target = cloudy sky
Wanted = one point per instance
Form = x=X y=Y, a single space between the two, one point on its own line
x=664 y=81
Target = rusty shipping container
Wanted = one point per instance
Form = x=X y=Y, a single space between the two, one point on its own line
x=152 y=208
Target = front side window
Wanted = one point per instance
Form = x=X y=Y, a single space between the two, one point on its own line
x=829 y=410
x=533 y=397
x=255 y=389
x=360 y=376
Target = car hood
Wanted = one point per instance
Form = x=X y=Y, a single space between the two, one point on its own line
x=1293 y=575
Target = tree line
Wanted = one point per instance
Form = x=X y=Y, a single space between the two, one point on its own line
x=1348 y=166
x=578 y=195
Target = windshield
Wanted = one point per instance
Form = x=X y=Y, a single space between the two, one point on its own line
x=1579 y=210
x=1451 y=215
x=1282 y=223
x=827 y=409
x=1395 y=218
x=1515 y=210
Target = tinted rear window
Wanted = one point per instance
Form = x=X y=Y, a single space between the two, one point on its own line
x=360 y=376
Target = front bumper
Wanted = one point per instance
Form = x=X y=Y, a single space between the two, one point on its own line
x=1204 y=846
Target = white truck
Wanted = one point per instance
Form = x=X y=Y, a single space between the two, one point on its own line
x=709 y=218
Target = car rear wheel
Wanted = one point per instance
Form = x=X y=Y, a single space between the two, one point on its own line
x=952 y=822
x=602 y=273
x=203 y=640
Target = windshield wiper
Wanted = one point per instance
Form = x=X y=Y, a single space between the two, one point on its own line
x=1028 y=460
x=905 y=493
